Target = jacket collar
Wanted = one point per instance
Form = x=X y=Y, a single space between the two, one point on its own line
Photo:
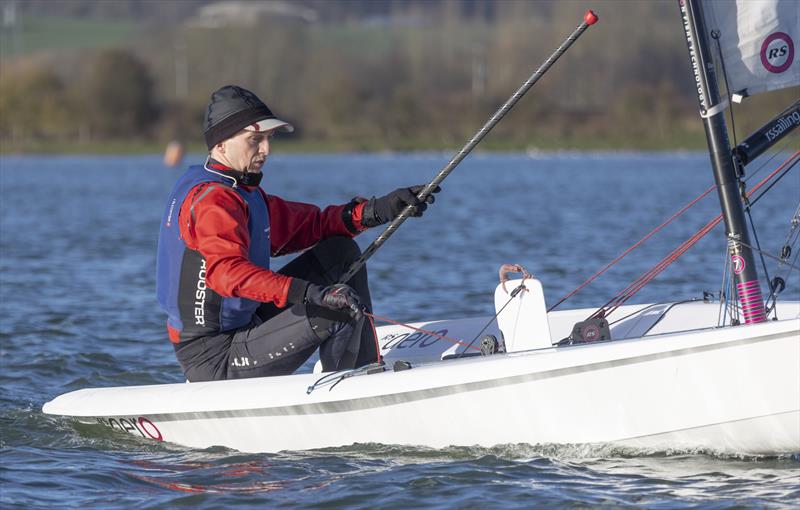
x=238 y=178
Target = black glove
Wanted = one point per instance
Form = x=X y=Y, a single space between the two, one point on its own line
x=336 y=297
x=381 y=210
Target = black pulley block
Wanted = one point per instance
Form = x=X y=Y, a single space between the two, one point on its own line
x=777 y=285
x=489 y=345
x=400 y=365
x=590 y=330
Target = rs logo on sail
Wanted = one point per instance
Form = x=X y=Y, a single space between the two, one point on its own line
x=200 y=297
x=777 y=52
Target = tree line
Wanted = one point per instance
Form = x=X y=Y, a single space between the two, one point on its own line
x=424 y=76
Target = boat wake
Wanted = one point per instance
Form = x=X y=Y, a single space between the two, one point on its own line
x=104 y=438
x=528 y=452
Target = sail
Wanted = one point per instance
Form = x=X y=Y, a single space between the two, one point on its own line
x=758 y=40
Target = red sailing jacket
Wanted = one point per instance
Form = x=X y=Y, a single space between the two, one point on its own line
x=218 y=230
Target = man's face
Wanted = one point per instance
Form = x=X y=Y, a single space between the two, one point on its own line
x=246 y=151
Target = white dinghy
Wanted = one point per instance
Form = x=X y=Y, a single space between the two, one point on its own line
x=672 y=375
x=684 y=384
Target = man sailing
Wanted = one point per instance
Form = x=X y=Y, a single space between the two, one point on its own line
x=229 y=315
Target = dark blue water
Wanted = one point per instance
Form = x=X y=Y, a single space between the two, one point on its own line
x=77 y=261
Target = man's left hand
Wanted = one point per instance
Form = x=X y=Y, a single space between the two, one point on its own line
x=339 y=296
x=384 y=209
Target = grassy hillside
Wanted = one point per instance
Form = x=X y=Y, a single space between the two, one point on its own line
x=384 y=75
x=34 y=34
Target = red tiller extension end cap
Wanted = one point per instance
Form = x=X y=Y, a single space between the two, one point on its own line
x=590 y=18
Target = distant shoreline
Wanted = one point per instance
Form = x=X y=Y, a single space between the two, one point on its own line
x=309 y=147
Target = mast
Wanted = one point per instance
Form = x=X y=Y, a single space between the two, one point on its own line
x=712 y=111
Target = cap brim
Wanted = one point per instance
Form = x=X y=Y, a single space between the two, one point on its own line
x=269 y=125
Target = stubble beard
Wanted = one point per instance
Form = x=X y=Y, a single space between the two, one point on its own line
x=254 y=167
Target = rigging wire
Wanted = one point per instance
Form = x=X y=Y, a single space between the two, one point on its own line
x=731 y=302
x=510 y=299
x=748 y=206
x=758 y=244
x=778 y=148
x=649 y=275
x=773 y=295
x=774 y=257
x=332 y=379
x=753 y=228
x=716 y=34
x=795 y=222
x=634 y=246
x=639 y=311
x=788 y=246
x=434 y=334
x=793 y=264
x=723 y=289
x=753 y=202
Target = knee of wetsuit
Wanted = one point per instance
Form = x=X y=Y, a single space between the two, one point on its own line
x=343 y=247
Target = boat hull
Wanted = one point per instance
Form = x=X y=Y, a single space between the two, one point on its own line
x=734 y=390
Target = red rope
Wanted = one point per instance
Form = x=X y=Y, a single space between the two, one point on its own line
x=375 y=332
x=628 y=291
x=634 y=246
x=432 y=333
x=648 y=276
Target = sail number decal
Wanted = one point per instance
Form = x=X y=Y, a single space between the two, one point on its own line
x=146 y=428
x=405 y=340
x=777 y=52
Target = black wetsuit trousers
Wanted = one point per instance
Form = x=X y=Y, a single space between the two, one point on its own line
x=279 y=340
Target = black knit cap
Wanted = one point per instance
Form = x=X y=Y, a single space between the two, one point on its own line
x=232 y=109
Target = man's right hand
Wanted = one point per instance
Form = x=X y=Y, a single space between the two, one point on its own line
x=378 y=211
x=336 y=297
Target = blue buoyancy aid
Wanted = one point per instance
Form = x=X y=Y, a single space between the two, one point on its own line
x=193 y=308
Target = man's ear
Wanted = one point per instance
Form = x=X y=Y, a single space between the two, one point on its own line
x=221 y=147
